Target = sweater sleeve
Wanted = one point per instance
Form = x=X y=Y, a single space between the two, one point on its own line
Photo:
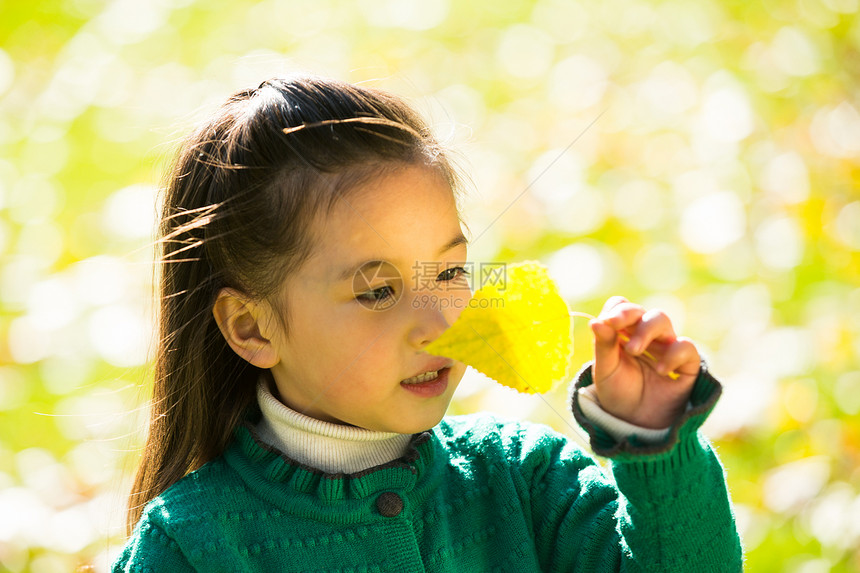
x=665 y=508
x=616 y=427
x=150 y=549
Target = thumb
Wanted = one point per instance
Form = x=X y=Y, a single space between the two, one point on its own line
x=606 y=357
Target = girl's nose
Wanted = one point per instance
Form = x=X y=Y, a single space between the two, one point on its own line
x=429 y=315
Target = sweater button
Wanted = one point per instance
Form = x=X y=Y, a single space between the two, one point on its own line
x=389 y=504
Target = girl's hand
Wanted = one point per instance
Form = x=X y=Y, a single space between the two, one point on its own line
x=631 y=386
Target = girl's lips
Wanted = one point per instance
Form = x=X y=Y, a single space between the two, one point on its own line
x=431 y=388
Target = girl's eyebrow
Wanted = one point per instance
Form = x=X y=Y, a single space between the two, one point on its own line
x=349 y=272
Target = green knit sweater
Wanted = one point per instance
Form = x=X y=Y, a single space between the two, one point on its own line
x=473 y=494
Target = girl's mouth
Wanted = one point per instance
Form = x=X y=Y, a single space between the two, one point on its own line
x=429 y=384
x=426 y=377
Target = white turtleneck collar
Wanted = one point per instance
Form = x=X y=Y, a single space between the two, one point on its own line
x=332 y=448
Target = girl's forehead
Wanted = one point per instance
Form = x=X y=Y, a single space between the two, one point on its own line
x=393 y=182
x=407 y=216
x=396 y=203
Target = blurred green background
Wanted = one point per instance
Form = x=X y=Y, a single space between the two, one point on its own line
x=716 y=177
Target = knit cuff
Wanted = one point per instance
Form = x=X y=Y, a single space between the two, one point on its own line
x=703 y=397
x=616 y=427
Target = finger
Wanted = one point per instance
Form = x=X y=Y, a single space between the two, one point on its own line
x=682 y=356
x=612 y=302
x=623 y=315
x=606 y=355
x=655 y=325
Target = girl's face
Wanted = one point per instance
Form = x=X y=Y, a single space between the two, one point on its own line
x=357 y=329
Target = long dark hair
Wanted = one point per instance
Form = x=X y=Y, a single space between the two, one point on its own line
x=237 y=212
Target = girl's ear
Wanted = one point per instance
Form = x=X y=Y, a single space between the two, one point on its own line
x=245 y=325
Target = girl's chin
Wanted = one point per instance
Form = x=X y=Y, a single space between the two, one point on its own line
x=416 y=422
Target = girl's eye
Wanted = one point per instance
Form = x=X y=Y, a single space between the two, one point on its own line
x=452 y=273
x=377 y=294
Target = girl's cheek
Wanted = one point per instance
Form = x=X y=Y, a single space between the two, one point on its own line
x=458 y=304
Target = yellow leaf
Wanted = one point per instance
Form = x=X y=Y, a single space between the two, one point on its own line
x=516 y=330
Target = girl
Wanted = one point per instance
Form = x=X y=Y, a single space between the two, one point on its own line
x=297 y=425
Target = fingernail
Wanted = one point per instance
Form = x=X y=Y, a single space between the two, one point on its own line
x=633 y=346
